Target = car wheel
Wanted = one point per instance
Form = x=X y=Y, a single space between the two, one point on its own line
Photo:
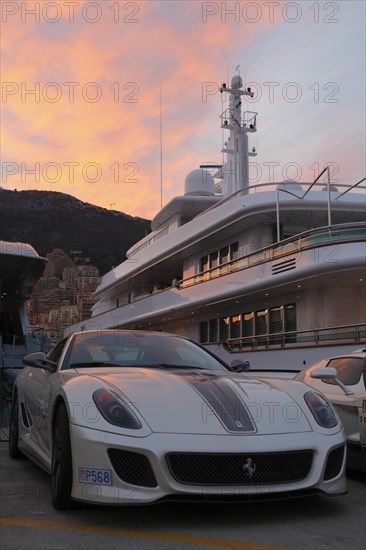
x=61 y=469
x=14 y=429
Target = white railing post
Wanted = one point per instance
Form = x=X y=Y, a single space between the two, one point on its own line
x=278 y=214
x=329 y=208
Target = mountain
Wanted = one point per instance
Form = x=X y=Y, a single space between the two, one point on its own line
x=48 y=220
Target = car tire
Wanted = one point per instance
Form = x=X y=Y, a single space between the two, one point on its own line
x=61 y=468
x=14 y=450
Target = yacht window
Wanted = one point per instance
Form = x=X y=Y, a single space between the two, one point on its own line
x=290 y=317
x=204 y=263
x=214 y=259
x=248 y=324
x=275 y=319
x=252 y=323
x=235 y=326
x=224 y=329
x=224 y=255
x=234 y=250
x=204 y=331
x=261 y=322
x=213 y=330
x=290 y=322
x=276 y=324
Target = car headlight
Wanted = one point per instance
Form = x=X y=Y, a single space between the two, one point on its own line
x=321 y=409
x=114 y=410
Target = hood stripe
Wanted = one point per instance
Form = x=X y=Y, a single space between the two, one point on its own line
x=221 y=400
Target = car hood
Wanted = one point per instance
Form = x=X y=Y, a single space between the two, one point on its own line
x=207 y=402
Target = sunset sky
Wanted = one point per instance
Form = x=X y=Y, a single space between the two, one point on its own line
x=81 y=93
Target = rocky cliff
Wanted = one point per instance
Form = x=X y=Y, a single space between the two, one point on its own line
x=48 y=220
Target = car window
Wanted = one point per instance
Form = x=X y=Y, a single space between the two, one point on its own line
x=55 y=353
x=349 y=369
x=190 y=355
x=138 y=349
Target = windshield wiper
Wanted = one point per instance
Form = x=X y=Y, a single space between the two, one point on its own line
x=94 y=364
x=166 y=366
x=132 y=365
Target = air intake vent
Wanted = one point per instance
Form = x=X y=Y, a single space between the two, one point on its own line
x=334 y=463
x=281 y=267
x=132 y=467
x=26 y=417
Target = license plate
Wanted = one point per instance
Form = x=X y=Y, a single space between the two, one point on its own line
x=95 y=476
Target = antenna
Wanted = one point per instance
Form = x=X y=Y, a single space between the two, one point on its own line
x=161 y=149
x=112 y=204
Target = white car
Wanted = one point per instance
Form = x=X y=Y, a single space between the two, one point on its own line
x=130 y=417
x=345 y=388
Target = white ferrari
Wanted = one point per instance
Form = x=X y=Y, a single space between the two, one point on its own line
x=342 y=378
x=126 y=417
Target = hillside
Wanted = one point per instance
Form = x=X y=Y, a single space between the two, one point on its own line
x=48 y=220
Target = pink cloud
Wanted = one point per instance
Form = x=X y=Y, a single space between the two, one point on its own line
x=110 y=131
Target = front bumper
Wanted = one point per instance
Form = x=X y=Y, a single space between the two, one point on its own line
x=91 y=452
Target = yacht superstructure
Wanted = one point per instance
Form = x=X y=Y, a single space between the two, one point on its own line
x=264 y=268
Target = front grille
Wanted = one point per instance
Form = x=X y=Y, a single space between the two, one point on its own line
x=133 y=468
x=239 y=469
x=334 y=463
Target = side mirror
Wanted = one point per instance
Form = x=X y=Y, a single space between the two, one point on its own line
x=39 y=361
x=237 y=365
x=329 y=373
x=324 y=373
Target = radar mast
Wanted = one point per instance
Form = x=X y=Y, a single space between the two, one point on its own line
x=236 y=167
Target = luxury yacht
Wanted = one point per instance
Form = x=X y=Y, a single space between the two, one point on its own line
x=271 y=273
x=20 y=269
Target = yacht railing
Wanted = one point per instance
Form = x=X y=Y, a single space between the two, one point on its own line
x=350 y=188
x=293 y=245
x=276 y=186
x=298 y=338
x=329 y=197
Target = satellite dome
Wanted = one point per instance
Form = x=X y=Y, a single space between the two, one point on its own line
x=236 y=82
x=291 y=184
x=332 y=188
x=199 y=182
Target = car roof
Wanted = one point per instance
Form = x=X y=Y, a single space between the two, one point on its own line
x=360 y=351
x=357 y=353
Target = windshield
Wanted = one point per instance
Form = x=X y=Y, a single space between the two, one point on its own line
x=130 y=349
